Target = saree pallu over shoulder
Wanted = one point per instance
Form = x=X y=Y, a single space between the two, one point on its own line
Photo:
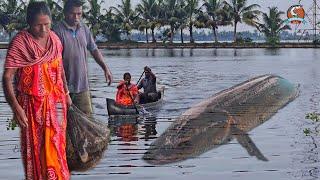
x=25 y=51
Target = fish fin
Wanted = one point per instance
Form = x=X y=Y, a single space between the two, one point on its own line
x=246 y=142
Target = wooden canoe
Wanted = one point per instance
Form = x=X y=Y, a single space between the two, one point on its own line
x=117 y=109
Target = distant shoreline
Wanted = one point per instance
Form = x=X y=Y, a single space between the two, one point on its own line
x=141 y=45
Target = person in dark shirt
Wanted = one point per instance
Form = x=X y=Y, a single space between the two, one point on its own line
x=148 y=83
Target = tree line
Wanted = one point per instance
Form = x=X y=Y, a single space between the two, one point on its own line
x=150 y=15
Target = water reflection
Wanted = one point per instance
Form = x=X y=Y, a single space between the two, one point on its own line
x=191 y=52
x=125 y=128
x=171 y=53
x=149 y=127
x=215 y=52
x=235 y=52
x=147 y=51
x=130 y=128
x=217 y=120
x=272 y=51
x=181 y=52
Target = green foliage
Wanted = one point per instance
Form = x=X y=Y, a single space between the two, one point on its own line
x=239 y=12
x=316 y=41
x=242 y=40
x=12 y=15
x=125 y=16
x=111 y=27
x=94 y=16
x=11 y=124
x=166 y=34
x=191 y=10
x=152 y=14
x=148 y=16
x=272 y=25
x=174 y=14
x=315 y=117
x=307 y=131
x=213 y=16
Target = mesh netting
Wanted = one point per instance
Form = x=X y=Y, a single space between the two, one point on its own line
x=87 y=139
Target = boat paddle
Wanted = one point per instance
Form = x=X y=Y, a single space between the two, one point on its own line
x=140 y=78
x=134 y=104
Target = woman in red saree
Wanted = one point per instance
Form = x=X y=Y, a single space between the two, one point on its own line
x=39 y=95
x=127 y=92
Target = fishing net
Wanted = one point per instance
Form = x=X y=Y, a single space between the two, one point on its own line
x=87 y=139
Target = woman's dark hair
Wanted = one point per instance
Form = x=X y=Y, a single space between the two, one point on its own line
x=70 y=4
x=126 y=74
x=35 y=8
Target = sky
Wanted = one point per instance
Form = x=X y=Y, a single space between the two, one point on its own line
x=282 y=5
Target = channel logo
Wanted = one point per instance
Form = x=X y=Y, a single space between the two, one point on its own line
x=295 y=15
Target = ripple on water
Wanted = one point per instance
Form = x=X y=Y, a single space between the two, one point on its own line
x=189 y=77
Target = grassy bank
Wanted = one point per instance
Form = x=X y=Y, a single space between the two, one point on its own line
x=141 y=45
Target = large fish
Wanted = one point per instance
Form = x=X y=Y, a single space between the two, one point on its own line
x=228 y=114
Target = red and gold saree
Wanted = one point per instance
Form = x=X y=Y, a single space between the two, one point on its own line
x=39 y=91
x=126 y=94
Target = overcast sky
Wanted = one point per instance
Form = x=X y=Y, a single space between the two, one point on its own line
x=282 y=5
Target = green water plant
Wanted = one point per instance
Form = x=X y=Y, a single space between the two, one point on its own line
x=315 y=117
x=11 y=124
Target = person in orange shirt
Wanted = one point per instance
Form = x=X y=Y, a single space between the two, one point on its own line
x=127 y=93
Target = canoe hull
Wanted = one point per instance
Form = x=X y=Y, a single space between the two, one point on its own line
x=118 y=110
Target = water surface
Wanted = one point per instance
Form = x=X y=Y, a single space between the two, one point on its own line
x=189 y=76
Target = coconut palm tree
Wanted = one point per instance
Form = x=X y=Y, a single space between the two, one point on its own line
x=181 y=22
x=240 y=12
x=13 y=13
x=142 y=25
x=94 y=16
x=272 y=25
x=126 y=16
x=171 y=15
x=192 y=9
x=110 y=27
x=147 y=11
x=157 y=21
x=182 y=27
x=214 y=15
